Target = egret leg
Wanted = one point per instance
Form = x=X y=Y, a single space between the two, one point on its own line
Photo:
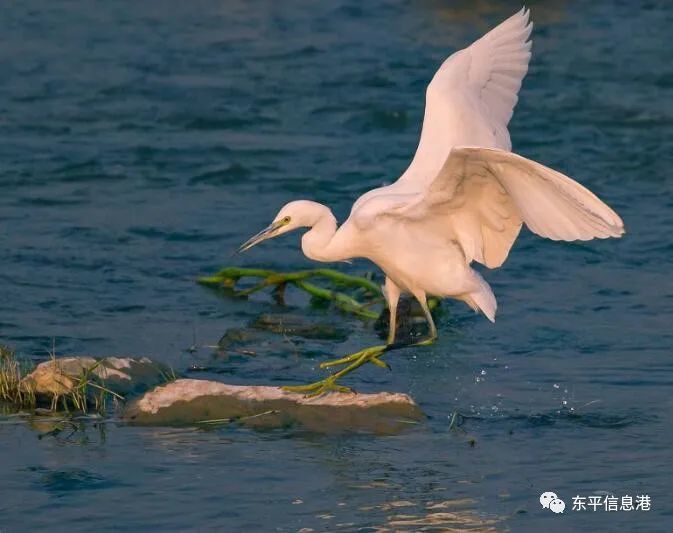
x=392 y=294
x=373 y=353
x=368 y=355
x=422 y=299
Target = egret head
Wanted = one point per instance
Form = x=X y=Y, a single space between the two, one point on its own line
x=294 y=215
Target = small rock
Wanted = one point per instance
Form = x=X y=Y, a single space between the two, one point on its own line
x=121 y=375
x=194 y=401
x=299 y=326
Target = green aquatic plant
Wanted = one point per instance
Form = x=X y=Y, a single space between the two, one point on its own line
x=228 y=278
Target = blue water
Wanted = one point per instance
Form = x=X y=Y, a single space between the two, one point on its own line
x=141 y=142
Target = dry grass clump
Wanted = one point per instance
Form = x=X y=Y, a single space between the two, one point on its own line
x=12 y=372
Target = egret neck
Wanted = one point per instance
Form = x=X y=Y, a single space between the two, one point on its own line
x=318 y=243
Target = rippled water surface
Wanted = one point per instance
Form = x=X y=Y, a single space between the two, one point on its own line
x=141 y=142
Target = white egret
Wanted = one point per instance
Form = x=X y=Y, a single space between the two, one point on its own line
x=463 y=198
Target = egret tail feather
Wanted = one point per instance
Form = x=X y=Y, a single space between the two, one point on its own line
x=482 y=298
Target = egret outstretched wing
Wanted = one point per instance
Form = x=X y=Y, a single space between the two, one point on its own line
x=481 y=196
x=471 y=98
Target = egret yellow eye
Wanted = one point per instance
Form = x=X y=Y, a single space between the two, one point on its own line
x=286 y=220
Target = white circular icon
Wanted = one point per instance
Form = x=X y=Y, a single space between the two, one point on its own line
x=549 y=500
x=557 y=505
x=546 y=498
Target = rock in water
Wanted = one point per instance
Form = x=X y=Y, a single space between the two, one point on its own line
x=121 y=375
x=195 y=401
x=299 y=326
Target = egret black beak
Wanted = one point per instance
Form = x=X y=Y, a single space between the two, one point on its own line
x=266 y=233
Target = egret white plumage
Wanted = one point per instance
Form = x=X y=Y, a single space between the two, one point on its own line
x=463 y=198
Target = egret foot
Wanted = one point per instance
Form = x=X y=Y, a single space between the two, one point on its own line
x=425 y=342
x=370 y=355
x=319 y=387
x=373 y=354
x=350 y=363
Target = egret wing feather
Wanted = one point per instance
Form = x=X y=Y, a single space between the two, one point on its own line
x=463 y=184
x=481 y=197
x=471 y=98
x=498 y=63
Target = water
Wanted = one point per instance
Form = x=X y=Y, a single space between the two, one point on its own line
x=143 y=141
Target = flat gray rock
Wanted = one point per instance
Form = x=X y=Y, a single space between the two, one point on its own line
x=194 y=401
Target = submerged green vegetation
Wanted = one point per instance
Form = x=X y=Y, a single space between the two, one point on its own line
x=352 y=294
